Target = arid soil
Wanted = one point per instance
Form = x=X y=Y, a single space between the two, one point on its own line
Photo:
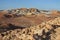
x=30 y=26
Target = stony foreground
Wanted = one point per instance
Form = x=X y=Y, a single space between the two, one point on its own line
x=46 y=31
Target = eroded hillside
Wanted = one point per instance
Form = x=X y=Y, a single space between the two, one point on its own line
x=29 y=24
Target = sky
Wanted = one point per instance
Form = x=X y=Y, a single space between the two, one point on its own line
x=39 y=4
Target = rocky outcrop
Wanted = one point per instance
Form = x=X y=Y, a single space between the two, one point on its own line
x=24 y=11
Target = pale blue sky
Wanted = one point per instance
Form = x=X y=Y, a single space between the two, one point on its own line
x=40 y=4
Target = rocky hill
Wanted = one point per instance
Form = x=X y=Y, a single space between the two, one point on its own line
x=29 y=24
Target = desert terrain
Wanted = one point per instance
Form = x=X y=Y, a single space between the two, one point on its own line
x=29 y=24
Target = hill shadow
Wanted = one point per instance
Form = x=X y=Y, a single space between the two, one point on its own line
x=10 y=27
